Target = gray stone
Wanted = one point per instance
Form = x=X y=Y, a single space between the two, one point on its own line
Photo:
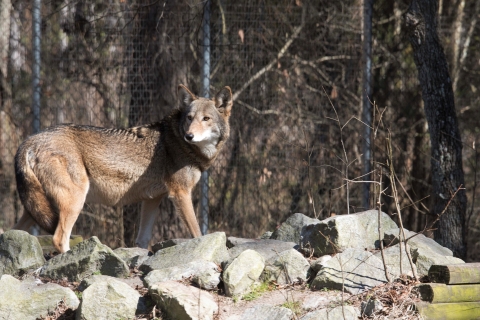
x=267 y=312
x=267 y=248
x=167 y=244
x=19 y=252
x=291 y=229
x=205 y=274
x=337 y=313
x=288 y=267
x=371 y=307
x=181 y=302
x=109 y=300
x=357 y=269
x=392 y=259
x=418 y=241
x=335 y=234
x=317 y=264
x=242 y=272
x=266 y=235
x=133 y=257
x=86 y=258
x=314 y=302
x=424 y=258
x=30 y=299
x=211 y=247
x=234 y=241
x=88 y=281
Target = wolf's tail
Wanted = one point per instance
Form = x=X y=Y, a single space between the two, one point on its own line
x=31 y=191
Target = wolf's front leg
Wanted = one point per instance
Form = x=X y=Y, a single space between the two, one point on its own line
x=150 y=210
x=184 y=207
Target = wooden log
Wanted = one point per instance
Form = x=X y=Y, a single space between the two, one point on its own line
x=455 y=273
x=449 y=311
x=441 y=293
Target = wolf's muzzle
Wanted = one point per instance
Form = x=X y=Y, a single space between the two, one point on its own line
x=189 y=136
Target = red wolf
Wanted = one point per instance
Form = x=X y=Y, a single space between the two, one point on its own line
x=61 y=168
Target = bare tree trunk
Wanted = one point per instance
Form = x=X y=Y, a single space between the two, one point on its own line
x=437 y=94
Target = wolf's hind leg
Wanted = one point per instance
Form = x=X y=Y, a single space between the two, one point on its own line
x=148 y=215
x=25 y=222
x=67 y=193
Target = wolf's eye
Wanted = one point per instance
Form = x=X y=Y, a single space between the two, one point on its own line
x=206 y=118
x=189 y=117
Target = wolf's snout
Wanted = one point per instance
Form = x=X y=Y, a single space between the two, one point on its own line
x=189 y=136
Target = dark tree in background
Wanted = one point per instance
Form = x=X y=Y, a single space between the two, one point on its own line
x=446 y=162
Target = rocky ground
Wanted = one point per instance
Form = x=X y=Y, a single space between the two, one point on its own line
x=307 y=269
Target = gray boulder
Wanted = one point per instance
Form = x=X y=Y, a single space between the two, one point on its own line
x=267 y=248
x=337 y=313
x=19 y=252
x=87 y=258
x=112 y=299
x=133 y=257
x=335 y=234
x=288 y=267
x=418 y=241
x=424 y=258
x=167 y=244
x=370 y=307
x=291 y=229
x=267 y=312
x=317 y=264
x=392 y=259
x=358 y=270
x=30 y=299
x=181 y=302
x=205 y=274
x=243 y=272
x=211 y=247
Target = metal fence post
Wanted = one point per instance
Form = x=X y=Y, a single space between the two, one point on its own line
x=366 y=95
x=206 y=93
x=36 y=46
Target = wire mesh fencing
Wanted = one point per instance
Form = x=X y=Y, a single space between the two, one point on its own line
x=295 y=68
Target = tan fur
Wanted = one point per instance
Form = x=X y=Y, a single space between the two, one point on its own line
x=61 y=168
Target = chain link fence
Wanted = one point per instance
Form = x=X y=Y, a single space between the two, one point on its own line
x=295 y=68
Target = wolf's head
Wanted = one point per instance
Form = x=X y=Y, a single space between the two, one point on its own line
x=204 y=121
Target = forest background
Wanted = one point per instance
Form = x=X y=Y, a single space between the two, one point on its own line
x=297 y=70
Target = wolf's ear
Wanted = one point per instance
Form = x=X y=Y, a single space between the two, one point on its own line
x=224 y=100
x=185 y=96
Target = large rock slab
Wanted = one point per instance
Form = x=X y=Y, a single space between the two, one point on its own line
x=133 y=257
x=267 y=248
x=29 y=300
x=211 y=247
x=337 y=313
x=87 y=258
x=267 y=312
x=288 y=267
x=291 y=229
x=112 y=299
x=181 y=302
x=205 y=274
x=335 y=234
x=418 y=241
x=167 y=244
x=424 y=258
x=392 y=259
x=242 y=273
x=19 y=252
x=357 y=269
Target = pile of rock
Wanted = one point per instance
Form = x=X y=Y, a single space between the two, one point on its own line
x=212 y=261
